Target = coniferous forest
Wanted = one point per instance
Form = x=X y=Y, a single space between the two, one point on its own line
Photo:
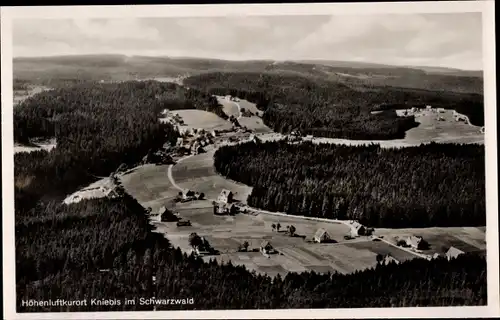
x=104 y=248
x=426 y=186
x=331 y=109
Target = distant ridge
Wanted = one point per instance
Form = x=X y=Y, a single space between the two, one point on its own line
x=119 y=67
x=329 y=63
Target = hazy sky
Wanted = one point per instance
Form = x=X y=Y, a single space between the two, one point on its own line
x=445 y=40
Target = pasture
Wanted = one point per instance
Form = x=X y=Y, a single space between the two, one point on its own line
x=227 y=233
x=447 y=130
x=467 y=239
x=197 y=173
x=254 y=123
x=149 y=185
x=200 y=119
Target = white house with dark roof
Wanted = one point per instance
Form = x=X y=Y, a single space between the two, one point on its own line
x=225 y=196
x=321 y=235
x=356 y=229
x=266 y=247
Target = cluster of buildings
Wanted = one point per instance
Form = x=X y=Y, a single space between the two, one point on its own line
x=189 y=195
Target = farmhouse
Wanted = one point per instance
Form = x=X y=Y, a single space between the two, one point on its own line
x=414 y=242
x=440 y=110
x=453 y=252
x=266 y=247
x=225 y=196
x=357 y=229
x=321 y=236
x=428 y=108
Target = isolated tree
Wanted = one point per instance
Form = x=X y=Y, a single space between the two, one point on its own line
x=292 y=230
x=195 y=240
x=273 y=226
x=278 y=226
x=202 y=196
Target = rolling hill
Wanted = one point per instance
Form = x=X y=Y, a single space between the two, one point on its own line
x=51 y=70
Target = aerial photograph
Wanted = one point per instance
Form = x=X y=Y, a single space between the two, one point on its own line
x=249 y=162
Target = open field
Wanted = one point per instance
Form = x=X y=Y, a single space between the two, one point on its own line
x=467 y=239
x=197 y=173
x=199 y=119
x=448 y=130
x=93 y=191
x=230 y=107
x=226 y=233
x=254 y=123
x=149 y=185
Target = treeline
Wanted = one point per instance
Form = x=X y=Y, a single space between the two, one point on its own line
x=332 y=109
x=105 y=249
x=97 y=127
x=434 y=185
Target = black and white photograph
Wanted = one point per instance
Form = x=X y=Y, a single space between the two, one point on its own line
x=274 y=161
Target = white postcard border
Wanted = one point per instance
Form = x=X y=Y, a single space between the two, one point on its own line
x=487 y=9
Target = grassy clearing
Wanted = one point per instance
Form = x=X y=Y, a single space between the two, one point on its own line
x=197 y=173
x=449 y=130
x=203 y=119
x=42 y=145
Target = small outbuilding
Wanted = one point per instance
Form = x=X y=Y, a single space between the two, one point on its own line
x=321 y=236
x=266 y=247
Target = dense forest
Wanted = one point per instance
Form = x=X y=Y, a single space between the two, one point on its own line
x=426 y=186
x=97 y=127
x=105 y=248
x=333 y=109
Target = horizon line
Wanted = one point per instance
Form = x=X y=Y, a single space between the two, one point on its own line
x=303 y=60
